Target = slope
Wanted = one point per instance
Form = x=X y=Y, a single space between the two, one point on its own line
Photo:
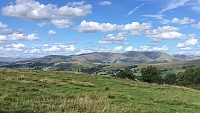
x=25 y=91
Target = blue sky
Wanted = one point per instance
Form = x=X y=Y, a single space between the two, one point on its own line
x=35 y=28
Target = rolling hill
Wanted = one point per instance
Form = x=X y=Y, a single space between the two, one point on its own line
x=28 y=91
x=104 y=63
x=104 y=57
x=9 y=60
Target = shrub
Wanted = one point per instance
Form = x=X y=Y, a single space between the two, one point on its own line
x=125 y=74
x=170 y=78
x=106 y=88
x=151 y=75
x=190 y=77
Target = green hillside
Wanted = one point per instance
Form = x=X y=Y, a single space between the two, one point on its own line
x=26 y=91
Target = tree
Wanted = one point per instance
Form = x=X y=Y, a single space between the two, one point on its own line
x=125 y=74
x=151 y=75
x=170 y=78
x=191 y=77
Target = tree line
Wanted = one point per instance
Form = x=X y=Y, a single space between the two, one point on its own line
x=151 y=74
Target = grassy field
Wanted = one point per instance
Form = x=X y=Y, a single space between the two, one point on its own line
x=26 y=91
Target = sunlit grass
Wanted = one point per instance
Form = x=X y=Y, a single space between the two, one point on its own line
x=26 y=91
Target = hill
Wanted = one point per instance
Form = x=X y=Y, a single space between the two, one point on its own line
x=182 y=64
x=132 y=57
x=183 y=57
x=25 y=91
x=9 y=60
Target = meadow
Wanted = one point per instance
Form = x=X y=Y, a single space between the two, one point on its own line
x=28 y=91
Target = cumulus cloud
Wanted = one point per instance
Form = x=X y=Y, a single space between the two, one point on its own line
x=70 y=48
x=134 y=27
x=118 y=48
x=148 y=48
x=52 y=49
x=89 y=27
x=19 y=45
x=51 y=32
x=42 y=24
x=22 y=36
x=190 y=41
x=165 y=32
x=2 y=25
x=197 y=26
x=33 y=50
x=63 y=23
x=114 y=39
x=129 y=48
x=19 y=36
x=2 y=37
x=6 y=31
x=104 y=3
x=13 y=47
x=185 y=20
x=35 y=11
x=180 y=45
x=186 y=48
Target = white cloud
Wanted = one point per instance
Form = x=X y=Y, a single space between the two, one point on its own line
x=21 y=36
x=118 y=48
x=197 y=26
x=2 y=25
x=180 y=45
x=148 y=48
x=2 y=38
x=89 y=27
x=61 y=23
x=52 y=49
x=51 y=32
x=14 y=48
x=33 y=10
x=191 y=41
x=70 y=48
x=18 y=45
x=186 y=48
x=195 y=6
x=42 y=24
x=134 y=27
x=45 y=45
x=173 y=5
x=185 y=20
x=105 y=3
x=83 y=51
x=165 y=32
x=129 y=48
x=114 y=39
x=163 y=48
x=32 y=51
x=134 y=9
x=6 y=31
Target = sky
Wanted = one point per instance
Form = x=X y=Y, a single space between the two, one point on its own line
x=36 y=28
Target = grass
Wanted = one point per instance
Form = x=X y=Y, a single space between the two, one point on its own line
x=26 y=91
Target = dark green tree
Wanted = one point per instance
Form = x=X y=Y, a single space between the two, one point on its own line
x=191 y=77
x=151 y=75
x=170 y=78
x=125 y=74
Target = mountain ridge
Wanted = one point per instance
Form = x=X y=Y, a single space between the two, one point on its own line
x=105 y=58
